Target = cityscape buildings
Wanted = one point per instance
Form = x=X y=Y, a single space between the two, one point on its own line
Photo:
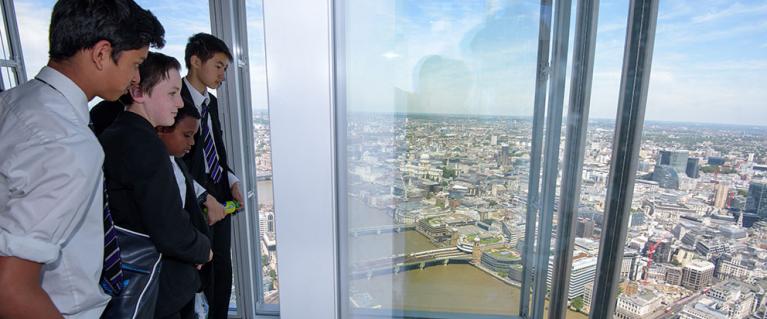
x=467 y=189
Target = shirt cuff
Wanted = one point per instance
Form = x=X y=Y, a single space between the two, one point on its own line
x=232 y=179
x=198 y=189
x=28 y=248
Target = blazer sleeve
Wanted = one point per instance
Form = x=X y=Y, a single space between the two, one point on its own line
x=165 y=220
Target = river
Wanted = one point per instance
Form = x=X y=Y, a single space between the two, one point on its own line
x=454 y=288
x=460 y=288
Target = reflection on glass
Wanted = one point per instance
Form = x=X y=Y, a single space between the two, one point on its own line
x=438 y=98
x=262 y=147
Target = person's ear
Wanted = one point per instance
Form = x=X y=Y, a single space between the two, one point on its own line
x=196 y=62
x=101 y=54
x=136 y=93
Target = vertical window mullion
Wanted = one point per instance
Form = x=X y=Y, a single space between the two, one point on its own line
x=577 y=125
x=551 y=154
x=16 y=62
x=637 y=61
x=228 y=22
x=533 y=207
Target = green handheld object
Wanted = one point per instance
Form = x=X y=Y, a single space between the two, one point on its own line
x=230 y=207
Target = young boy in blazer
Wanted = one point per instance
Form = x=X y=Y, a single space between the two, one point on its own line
x=207 y=59
x=143 y=194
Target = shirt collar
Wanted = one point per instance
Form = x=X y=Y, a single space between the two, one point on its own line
x=197 y=97
x=73 y=93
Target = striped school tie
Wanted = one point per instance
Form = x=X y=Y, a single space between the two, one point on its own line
x=210 y=153
x=111 y=274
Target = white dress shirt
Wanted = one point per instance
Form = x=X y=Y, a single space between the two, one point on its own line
x=181 y=181
x=198 y=99
x=51 y=204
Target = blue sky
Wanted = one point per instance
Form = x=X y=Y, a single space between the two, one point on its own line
x=478 y=57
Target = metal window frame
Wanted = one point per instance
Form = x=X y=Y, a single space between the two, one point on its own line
x=229 y=22
x=587 y=15
x=16 y=63
x=338 y=22
x=536 y=151
x=635 y=78
x=554 y=109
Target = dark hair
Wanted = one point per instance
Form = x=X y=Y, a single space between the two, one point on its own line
x=184 y=112
x=154 y=69
x=79 y=24
x=204 y=46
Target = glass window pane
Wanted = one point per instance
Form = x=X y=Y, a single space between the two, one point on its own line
x=699 y=190
x=9 y=77
x=5 y=44
x=262 y=147
x=33 y=18
x=438 y=99
x=597 y=154
x=694 y=246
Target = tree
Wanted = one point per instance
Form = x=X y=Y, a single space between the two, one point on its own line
x=743 y=192
x=577 y=303
x=264 y=260
x=709 y=169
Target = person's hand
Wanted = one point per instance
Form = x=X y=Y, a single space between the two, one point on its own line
x=210 y=257
x=215 y=210
x=237 y=195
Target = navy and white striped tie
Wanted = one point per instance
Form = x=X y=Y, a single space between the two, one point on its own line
x=209 y=151
x=111 y=274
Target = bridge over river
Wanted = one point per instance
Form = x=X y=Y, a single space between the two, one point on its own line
x=404 y=262
x=382 y=229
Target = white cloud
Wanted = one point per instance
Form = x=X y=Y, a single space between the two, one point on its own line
x=735 y=9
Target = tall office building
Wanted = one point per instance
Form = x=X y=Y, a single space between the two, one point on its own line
x=582 y=271
x=756 y=203
x=693 y=167
x=584 y=228
x=697 y=274
x=674 y=275
x=720 y=199
x=666 y=176
x=629 y=264
x=675 y=159
x=503 y=157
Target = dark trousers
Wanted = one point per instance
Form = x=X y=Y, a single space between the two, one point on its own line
x=220 y=290
x=187 y=312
